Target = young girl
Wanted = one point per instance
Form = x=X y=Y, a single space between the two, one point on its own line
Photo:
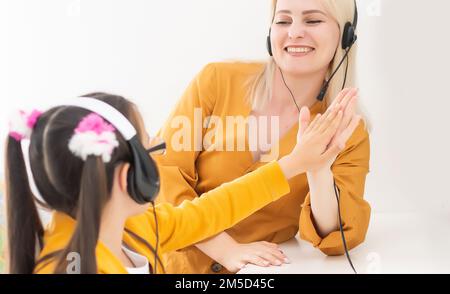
x=81 y=167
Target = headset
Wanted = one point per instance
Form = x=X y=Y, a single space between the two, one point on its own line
x=143 y=177
x=143 y=181
x=349 y=38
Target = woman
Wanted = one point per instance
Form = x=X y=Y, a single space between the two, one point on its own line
x=306 y=43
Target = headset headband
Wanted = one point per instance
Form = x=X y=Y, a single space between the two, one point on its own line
x=120 y=122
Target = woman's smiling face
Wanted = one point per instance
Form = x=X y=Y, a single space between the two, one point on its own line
x=304 y=36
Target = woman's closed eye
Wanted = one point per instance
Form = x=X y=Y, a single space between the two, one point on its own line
x=283 y=22
x=314 y=21
x=309 y=22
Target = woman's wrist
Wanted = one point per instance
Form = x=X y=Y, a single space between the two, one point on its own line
x=321 y=173
x=217 y=247
x=290 y=167
x=222 y=255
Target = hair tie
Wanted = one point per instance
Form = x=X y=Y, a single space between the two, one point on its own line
x=21 y=124
x=93 y=136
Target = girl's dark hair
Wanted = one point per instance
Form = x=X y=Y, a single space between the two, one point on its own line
x=66 y=183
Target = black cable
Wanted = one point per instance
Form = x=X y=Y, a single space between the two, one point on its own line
x=337 y=192
x=336 y=189
x=339 y=65
x=345 y=76
x=292 y=95
x=157 y=238
x=341 y=229
x=326 y=84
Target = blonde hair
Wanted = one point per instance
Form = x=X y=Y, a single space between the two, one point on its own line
x=260 y=85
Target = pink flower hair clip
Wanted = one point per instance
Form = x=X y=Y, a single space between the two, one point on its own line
x=93 y=136
x=21 y=124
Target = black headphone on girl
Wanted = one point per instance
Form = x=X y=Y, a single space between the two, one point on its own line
x=143 y=178
x=349 y=38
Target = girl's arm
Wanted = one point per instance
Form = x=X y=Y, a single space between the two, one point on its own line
x=221 y=208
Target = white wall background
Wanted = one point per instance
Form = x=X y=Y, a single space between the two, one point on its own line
x=149 y=51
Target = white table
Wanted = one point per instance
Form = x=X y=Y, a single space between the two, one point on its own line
x=396 y=243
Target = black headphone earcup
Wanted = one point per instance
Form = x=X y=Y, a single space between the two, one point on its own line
x=348 y=37
x=269 y=45
x=143 y=176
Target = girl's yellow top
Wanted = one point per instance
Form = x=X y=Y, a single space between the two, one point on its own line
x=220 y=90
x=181 y=226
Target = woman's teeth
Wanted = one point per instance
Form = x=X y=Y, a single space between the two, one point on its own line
x=299 y=49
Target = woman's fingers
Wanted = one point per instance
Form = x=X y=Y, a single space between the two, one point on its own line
x=328 y=119
x=272 y=253
x=265 y=254
x=319 y=119
x=313 y=124
x=332 y=125
x=271 y=258
x=278 y=255
x=304 y=118
x=350 y=105
x=348 y=114
x=341 y=96
x=336 y=147
x=257 y=260
x=341 y=101
x=344 y=100
x=347 y=133
x=348 y=97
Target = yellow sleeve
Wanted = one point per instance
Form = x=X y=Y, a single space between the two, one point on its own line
x=177 y=167
x=349 y=170
x=219 y=209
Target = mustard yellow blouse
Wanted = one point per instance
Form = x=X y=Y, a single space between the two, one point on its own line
x=220 y=90
x=180 y=226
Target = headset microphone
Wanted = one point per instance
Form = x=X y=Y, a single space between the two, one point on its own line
x=324 y=88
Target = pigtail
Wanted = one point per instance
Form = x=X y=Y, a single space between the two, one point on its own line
x=24 y=227
x=93 y=195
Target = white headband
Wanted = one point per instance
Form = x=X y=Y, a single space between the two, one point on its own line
x=120 y=122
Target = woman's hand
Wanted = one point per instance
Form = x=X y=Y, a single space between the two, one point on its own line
x=350 y=120
x=348 y=99
x=258 y=253
x=313 y=148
